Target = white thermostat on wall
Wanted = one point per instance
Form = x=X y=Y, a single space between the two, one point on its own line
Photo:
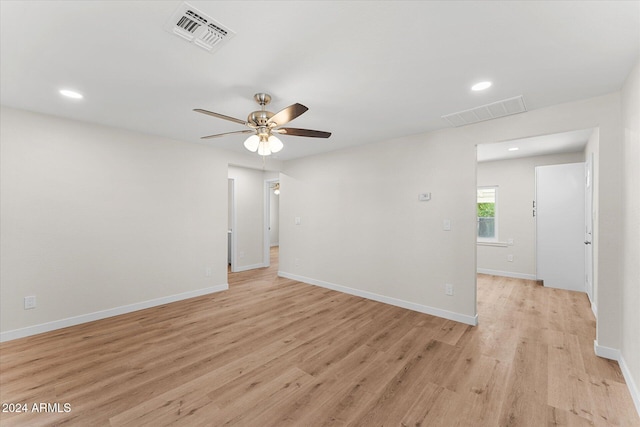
x=424 y=197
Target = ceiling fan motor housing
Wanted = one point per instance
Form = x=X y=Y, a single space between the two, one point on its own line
x=259 y=118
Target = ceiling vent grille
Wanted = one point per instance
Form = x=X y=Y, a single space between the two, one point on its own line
x=502 y=108
x=198 y=28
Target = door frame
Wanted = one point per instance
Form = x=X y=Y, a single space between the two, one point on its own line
x=232 y=207
x=588 y=222
x=267 y=220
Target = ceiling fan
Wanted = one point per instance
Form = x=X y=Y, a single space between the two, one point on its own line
x=264 y=124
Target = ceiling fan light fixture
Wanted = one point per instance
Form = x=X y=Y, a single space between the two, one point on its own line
x=264 y=149
x=275 y=144
x=252 y=143
x=264 y=123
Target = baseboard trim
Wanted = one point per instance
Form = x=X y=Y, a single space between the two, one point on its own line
x=90 y=317
x=594 y=309
x=462 y=318
x=606 y=352
x=249 y=267
x=631 y=384
x=506 y=274
x=615 y=354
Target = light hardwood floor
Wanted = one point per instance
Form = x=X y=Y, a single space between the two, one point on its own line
x=275 y=352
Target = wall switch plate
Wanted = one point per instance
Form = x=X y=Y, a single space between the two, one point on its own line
x=29 y=302
x=298 y=221
x=446 y=225
x=448 y=289
x=424 y=197
x=510 y=258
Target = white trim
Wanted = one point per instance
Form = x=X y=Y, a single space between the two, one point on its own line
x=250 y=267
x=631 y=384
x=615 y=354
x=594 y=308
x=606 y=352
x=462 y=318
x=506 y=274
x=492 y=243
x=90 y=317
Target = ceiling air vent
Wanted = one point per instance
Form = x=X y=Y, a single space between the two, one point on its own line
x=502 y=108
x=198 y=28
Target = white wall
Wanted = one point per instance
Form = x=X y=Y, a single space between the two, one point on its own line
x=631 y=236
x=515 y=179
x=249 y=205
x=96 y=221
x=363 y=229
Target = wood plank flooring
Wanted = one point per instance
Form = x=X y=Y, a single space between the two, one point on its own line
x=275 y=352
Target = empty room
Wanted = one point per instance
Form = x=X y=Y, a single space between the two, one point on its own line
x=306 y=213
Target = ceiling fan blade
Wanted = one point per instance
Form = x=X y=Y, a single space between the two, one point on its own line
x=303 y=132
x=220 y=116
x=287 y=114
x=227 y=133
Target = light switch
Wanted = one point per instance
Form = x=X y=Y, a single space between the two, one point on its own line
x=297 y=220
x=446 y=225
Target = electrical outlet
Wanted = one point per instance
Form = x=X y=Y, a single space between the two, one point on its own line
x=448 y=289
x=29 y=302
x=241 y=254
x=208 y=272
x=510 y=258
x=297 y=262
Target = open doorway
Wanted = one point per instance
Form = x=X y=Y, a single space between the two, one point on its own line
x=272 y=219
x=249 y=217
x=510 y=249
x=231 y=219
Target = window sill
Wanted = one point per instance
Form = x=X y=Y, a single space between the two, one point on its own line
x=497 y=244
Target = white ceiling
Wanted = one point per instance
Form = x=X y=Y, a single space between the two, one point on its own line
x=368 y=71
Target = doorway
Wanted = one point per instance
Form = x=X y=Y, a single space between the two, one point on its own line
x=231 y=222
x=272 y=218
x=510 y=166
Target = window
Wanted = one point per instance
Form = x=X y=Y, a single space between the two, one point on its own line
x=486 y=213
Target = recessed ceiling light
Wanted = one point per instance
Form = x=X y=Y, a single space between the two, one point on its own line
x=71 y=94
x=513 y=149
x=481 y=86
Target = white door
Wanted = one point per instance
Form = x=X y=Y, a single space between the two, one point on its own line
x=588 y=229
x=560 y=226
